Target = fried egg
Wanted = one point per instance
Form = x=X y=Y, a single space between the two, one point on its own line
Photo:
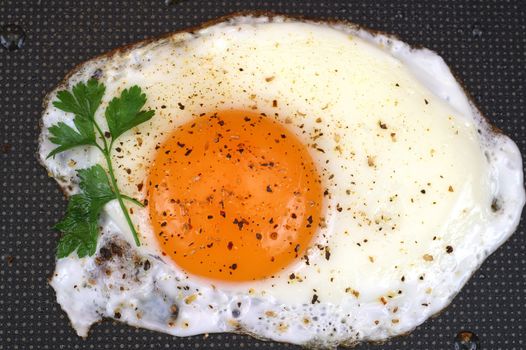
x=305 y=182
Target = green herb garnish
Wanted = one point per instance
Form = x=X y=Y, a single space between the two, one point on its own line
x=98 y=187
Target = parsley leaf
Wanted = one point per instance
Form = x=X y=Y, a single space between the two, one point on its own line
x=124 y=112
x=80 y=232
x=66 y=137
x=80 y=222
x=83 y=102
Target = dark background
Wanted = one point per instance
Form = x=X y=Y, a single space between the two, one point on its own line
x=483 y=41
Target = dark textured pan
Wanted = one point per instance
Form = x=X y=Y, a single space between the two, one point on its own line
x=483 y=41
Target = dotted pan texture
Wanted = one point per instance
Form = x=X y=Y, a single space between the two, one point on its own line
x=483 y=41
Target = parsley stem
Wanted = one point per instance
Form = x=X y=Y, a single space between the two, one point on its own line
x=133 y=200
x=120 y=199
x=106 y=152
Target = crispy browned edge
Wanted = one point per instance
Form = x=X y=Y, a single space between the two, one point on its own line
x=122 y=49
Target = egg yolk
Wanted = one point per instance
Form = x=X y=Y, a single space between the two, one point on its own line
x=233 y=196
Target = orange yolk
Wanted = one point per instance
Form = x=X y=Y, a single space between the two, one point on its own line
x=233 y=196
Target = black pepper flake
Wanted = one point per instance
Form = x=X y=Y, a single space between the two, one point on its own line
x=230 y=245
x=105 y=253
x=293 y=215
x=327 y=253
x=423 y=191
x=382 y=125
x=274 y=103
x=180 y=144
x=221 y=122
x=297 y=248
x=495 y=205
x=181 y=106
x=292 y=276
x=315 y=299
x=147 y=265
x=107 y=134
x=426 y=101
x=222 y=213
x=240 y=223
x=449 y=249
x=258 y=236
x=233 y=266
x=309 y=220
x=269 y=189
x=188 y=151
x=209 y=217
x=306 y=258
x=174 y=310
x=117 y=315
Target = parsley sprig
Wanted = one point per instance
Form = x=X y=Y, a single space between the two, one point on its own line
x=98 y=187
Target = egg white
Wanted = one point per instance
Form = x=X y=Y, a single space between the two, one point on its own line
x=420 y=188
